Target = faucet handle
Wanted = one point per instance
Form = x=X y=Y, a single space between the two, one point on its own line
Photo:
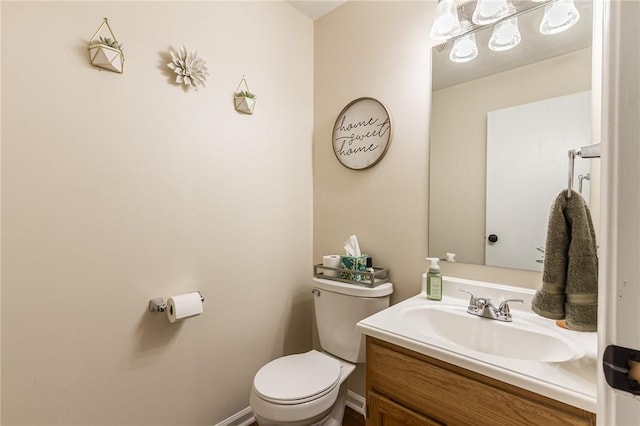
x=503 y=309
x=473 y=301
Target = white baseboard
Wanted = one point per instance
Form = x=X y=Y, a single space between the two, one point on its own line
x=245 y=417
x=356 y=402
x=242 y=418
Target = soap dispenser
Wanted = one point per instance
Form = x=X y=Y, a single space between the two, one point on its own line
x=434 y=280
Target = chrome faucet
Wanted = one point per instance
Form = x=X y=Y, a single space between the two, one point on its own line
x=483 y=307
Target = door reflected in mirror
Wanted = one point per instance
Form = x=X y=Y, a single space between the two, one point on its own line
x=499 y=141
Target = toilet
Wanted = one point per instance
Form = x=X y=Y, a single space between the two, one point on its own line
x=309 y=389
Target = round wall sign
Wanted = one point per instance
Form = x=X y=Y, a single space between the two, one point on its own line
x=362 y=133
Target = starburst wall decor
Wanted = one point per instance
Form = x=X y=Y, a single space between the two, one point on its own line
x=191 y=70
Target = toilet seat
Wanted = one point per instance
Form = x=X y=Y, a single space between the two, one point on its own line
x=297 y=379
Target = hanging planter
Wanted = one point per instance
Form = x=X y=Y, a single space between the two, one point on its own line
x=244 y=100
x=106 y=52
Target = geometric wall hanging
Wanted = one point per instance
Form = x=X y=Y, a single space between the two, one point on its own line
x=105 y=52
x=244 y=100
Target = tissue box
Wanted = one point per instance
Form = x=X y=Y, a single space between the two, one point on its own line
x=354 y=263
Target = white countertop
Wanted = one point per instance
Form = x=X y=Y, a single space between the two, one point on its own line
x=572 y=382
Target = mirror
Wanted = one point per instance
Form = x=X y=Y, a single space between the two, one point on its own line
x=503 y=120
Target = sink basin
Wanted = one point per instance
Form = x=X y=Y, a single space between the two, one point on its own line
x=519 y=339
x=531 y=352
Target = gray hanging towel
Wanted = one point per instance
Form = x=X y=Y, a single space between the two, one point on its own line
x=570 y=276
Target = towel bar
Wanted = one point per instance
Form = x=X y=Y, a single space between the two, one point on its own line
x=589 y=151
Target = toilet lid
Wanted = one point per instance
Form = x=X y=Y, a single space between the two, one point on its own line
x=299 y=378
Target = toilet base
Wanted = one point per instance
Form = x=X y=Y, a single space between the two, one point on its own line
x=337 y=414
x=332 y=417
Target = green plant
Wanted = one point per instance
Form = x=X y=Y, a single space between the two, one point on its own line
x=109 y=42
x=245 y=94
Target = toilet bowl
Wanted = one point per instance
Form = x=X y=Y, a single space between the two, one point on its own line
x=310 y=389
x=300 y=390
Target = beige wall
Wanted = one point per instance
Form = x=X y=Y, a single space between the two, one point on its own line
x=183 y=193
x=121 y=188
x=386 y=56
x=381 y=50
x=458 y=141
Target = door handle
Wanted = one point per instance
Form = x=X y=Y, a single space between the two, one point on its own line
x=492 y=238
x=621 y=368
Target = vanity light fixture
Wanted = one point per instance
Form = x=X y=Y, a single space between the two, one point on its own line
x=559 y=16
x=451 y=24
x=506 y=35
x=489 y=11
x=446 y=23
x=464 y=48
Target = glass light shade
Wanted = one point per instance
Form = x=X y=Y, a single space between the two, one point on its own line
x=446 y=23
x=506 y=35
x=559 y=16
x=464 y=49
x=489 y=11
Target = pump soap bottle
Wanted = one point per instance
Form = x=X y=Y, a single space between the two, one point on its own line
x=434 y=280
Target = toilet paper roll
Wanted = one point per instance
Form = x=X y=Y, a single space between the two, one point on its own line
x=184 y=305
x=332 y=261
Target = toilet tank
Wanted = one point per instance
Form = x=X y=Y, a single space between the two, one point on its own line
x=339 y=307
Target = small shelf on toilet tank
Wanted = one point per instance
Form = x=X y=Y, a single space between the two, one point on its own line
x=367 y=279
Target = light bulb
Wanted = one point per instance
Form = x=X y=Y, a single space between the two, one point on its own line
x=559 y=16
x=464 y=49
x=506 y=35
x=489 y=11
x=446 y=23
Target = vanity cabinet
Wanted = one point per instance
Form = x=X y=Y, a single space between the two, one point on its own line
x=406 y=388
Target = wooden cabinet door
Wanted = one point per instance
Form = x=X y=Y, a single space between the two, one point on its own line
x=408 y=388
x=384 y=412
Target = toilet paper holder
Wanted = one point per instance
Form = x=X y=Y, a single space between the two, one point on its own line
x=158 y=305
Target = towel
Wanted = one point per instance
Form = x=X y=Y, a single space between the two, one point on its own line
x=570 y=275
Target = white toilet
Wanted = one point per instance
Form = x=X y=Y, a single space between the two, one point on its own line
x=310 y=389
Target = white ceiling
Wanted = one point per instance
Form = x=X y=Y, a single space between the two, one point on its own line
x=315 y=9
